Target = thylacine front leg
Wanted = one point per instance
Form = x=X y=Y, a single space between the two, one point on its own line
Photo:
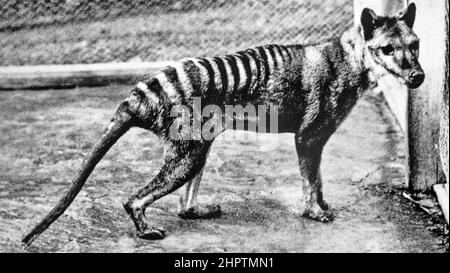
x=309 y=157
x=189 y=209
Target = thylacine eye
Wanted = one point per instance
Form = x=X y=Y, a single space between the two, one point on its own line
x=387 y=50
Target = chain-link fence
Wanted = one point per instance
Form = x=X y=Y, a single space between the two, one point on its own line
x=82 y=31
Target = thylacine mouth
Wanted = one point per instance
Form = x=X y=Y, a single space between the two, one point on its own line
x=409 y=84
x=414 y=84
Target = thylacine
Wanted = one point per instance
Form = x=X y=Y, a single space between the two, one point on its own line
x=314 y=87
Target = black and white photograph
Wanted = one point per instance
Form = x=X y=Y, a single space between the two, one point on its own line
x=224 y=126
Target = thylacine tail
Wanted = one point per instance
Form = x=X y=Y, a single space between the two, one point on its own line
x=118 y=126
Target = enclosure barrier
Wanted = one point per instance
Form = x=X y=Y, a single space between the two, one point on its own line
x=38 y=32
x=120 y=38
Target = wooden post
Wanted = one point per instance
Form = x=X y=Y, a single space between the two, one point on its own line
x=442 y=190
x=424 y=168
x=443 y=126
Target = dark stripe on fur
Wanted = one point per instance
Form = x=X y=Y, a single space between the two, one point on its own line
x=263 y=60
x=234 y=73
x=172 y=77
x=155 y=87
x=252 y=54
x=274 y=56
x=193 y=73
x=248 y=73
x=210 y=71
x=139 y=93
x=292 y=51
x=223 y=74
x=290 y=58
x=282 y=54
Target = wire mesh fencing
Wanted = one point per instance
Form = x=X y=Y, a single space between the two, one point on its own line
x=82 y=31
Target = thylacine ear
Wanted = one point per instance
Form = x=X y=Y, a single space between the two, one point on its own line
x=408 y=16
x=368 y=22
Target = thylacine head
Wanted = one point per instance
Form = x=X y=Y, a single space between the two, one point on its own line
x=390 y=46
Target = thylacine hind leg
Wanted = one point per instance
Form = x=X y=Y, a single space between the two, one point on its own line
x=189 y=209
x=309 y=157
x=183 y=161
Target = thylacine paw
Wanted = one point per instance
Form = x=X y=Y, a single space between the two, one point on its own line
x=152 y=234
x=315 y=212
x=201 y=212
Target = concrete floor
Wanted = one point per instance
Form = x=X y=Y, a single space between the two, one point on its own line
x=44 y=135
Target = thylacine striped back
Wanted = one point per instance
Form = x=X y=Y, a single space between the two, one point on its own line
x=227 y=79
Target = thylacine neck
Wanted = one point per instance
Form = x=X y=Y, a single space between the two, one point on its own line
x=353 y=42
